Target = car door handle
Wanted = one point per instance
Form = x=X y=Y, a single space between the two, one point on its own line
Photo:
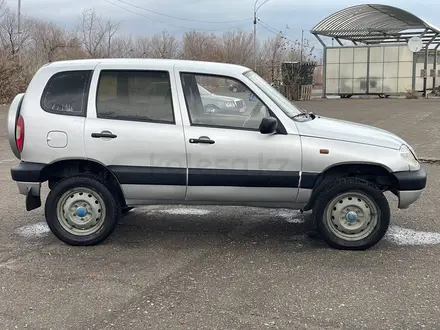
x=202 y=139
x=104 y=134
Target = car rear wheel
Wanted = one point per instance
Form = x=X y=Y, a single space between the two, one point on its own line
x=82 y=210
x=352 y=214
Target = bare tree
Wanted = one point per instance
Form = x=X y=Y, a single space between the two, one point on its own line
x=200 y=46
x=165 y=46
x=142 y=47
x=122 y=47
x=236 y=47
x=10 y=40
x=96 y=34
x=273 y=52
x=49 y=39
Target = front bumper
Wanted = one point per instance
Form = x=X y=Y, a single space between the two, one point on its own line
x=409 y=186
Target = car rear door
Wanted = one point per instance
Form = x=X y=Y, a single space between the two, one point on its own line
x=134 y=128
x=229 y=160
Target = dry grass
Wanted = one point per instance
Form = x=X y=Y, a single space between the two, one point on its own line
x=412 y=94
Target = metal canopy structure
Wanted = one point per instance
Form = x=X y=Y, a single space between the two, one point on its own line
x=375 y=24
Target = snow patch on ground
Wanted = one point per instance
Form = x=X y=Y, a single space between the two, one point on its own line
x=36 y=230
x=404 y=236
x=186 y=211
x=291 y=216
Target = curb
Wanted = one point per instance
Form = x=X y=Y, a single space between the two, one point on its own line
x=429 y=160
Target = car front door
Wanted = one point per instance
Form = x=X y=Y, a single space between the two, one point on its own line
x=229 y=160
x=134 y=128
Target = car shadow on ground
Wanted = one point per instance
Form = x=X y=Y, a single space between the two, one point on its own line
x=220 y=226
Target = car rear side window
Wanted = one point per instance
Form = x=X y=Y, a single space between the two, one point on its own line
x=135 y=96
x=67 y=92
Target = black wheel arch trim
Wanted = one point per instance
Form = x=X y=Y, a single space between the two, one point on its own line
x=406 y=180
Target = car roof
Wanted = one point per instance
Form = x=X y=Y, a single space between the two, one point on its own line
x=89 y=64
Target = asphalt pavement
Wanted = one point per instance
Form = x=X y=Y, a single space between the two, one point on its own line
x=175 y=267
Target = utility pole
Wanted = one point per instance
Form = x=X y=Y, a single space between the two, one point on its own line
x=302 y=44
x=255 y=30
x=255 y=35
x=19 y=30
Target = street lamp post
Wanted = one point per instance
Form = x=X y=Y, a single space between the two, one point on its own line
x=19 y=30
x=255 y=30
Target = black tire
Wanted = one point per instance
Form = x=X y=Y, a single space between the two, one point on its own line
x=126 y=209
x=98 y=186
x=354 y=185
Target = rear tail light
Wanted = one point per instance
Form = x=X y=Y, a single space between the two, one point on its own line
x=19 y=133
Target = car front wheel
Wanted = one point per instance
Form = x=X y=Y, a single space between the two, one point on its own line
x=82 y=210
x=352 y=214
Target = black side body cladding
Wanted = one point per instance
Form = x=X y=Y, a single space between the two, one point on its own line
x=243 y=178
x=32 y=172
x=169 y=176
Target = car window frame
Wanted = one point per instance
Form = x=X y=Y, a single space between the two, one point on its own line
x=83 y=112
x=141 y=120
x=280 y=130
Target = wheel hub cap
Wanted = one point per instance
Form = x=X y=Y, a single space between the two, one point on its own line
x=351 y=216
x=81 y=212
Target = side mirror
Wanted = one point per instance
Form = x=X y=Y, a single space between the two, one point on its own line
x=268 y=125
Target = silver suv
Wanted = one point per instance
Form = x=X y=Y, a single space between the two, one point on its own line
x=106 y=139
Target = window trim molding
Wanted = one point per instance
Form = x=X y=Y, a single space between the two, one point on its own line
x=280 y=130
x=141 y=120
x=85 y=101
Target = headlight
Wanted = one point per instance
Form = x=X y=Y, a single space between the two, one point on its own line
x=410 y=157
x=229 y=104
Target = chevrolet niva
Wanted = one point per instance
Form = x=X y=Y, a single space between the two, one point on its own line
x=105 y=141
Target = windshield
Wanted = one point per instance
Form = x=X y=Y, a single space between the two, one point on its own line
x=279 y=99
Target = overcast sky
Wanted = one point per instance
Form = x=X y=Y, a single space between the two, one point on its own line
x=275 y=14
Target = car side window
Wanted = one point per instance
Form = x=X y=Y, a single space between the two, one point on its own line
x=67 y=93
x=135 y=95
x=216 y=101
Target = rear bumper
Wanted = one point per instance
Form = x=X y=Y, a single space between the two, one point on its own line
x=28 y=179
x=27 y=172
x=25 y=187
x=410 y=185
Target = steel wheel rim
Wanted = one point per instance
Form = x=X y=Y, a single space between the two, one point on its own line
x=352 y=216
x=81 y=211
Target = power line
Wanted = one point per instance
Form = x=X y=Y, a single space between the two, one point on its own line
x=177 y=26
x=273 y=30
x=180 y=18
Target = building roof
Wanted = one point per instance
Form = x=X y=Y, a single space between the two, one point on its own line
x=375 y=23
